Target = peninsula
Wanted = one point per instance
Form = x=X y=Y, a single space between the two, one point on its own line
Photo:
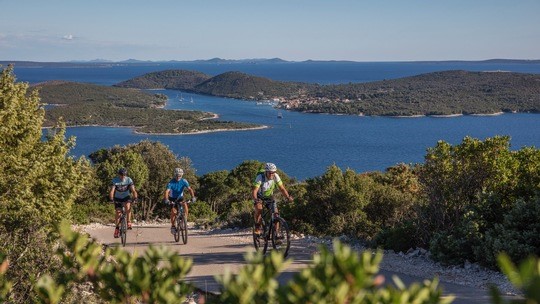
x=446 y=93
x=81 y=104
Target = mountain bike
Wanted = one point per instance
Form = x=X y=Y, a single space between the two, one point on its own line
x=123 y=224
x=274 y=229
x=181 y=222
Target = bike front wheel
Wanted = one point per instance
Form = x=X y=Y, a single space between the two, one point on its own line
x=281 y=236
x=123 y=231
x=183 y=228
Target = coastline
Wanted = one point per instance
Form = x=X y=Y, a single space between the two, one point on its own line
x=203 y=131
x=412 y=116
x=159 y=134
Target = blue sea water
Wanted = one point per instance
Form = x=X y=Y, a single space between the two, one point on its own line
x=303 y=145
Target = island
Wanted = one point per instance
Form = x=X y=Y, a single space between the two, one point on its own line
x=82 y=104
x=446 y=93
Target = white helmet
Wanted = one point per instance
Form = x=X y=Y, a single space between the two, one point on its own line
x=270 y=167
x=178 y=172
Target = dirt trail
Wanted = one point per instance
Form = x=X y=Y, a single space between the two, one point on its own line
x=214 y=251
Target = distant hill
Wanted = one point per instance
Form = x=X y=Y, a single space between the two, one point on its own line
x=244 y=86
x=438 y=93
x=169 y=79
x=135 y=62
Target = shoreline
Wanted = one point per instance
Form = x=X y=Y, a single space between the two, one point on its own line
x=414 y=116
x=134 y=128
x=203 y=131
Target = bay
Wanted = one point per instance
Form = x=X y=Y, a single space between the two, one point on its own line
x=303 y=145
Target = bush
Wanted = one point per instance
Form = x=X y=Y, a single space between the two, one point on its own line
x=86 y=213
x=202 y=213
x=517 y=236
x=401 y=237
x=240 y=214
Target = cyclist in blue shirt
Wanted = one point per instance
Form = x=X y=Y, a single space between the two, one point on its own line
x=122 y=188
x=175 y=191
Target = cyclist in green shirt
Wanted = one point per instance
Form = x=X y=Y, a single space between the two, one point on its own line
x=263 y=191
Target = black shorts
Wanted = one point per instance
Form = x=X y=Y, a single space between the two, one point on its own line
x=118 y=202
x=270 y=203
x=173 y=200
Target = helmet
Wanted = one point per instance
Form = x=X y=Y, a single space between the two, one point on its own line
x=270 y=167
x=122 y=171
x=178 y=172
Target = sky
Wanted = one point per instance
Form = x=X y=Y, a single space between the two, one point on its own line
x=294 y=30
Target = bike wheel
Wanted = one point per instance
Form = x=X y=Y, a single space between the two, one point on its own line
x=265 y=237
x=257 y=238
x=177 y=226
x=281 y=237
x=123 y=230
x=183 y=229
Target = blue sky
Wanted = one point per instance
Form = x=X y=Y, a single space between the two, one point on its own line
x=294 y=30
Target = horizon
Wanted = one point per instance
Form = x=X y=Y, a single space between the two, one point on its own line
x=258 y=60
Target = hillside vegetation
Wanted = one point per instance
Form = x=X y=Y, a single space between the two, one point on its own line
x=438 y=93
x=81 y=104
x=468 y=202
x=170 y=79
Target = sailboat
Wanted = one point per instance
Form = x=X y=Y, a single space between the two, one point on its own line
x=279 y=115
x=191 y=100
x=181 y=97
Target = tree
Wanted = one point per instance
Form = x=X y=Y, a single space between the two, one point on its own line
x=214 y=190
x=38 y=184
x=150 y=165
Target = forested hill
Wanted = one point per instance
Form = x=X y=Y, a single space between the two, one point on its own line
x=81 y=104
x=244 y=86
x=169 y=79
x=438 y=93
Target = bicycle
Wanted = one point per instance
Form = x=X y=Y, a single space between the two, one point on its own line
x=180 y=223
x=123 y=224
x=275 y=229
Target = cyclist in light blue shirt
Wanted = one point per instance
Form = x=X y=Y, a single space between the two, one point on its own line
x=175 y=191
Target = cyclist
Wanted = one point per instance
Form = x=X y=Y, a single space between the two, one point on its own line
x=263 y=190
x=175 y=191
x=121 y=190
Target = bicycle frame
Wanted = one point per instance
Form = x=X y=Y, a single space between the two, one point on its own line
x=123 y=224
x=269 y=220
x=180 y=221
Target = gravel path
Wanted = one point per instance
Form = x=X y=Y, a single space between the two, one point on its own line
x=415 y=263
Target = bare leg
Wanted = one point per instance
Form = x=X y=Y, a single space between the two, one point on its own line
x=173 y=215
x=128 y=211
x=186 y=210
x=257 y=213
x=117 y=214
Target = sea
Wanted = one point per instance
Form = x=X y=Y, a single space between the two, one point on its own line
x=302 y=145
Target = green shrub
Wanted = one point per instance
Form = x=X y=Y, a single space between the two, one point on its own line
x=401 y=237
x=240 y=214
x=517 y=235
x=86 y=213
x=202 y=213
x=525 y=278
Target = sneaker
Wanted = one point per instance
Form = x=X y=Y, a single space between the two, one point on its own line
x=258 y=230
x=173 y=230
x=129 y=226
x=116 y=232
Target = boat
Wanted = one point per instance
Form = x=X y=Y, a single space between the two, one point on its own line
x=279 y=115
x=181 y=98
x=191 y=100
